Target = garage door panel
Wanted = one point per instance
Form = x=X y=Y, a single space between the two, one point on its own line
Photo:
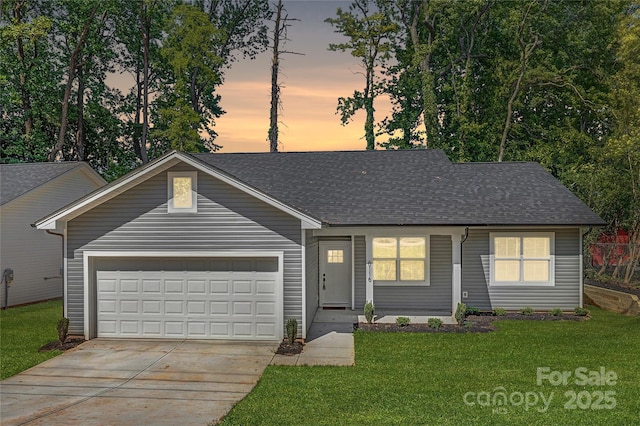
x=241 y=287
x=152 y=307
x=151 y=287
x=266 y=287
x=219 y=308
x=129 y=286
x=219 y=286
x=173 y=286
x=107 y=286
x=189 y=304
x=174 y=307
x=197 y=307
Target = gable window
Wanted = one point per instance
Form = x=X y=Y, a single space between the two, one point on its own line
x=182 y=192
x=522 y=258
x=401 y=260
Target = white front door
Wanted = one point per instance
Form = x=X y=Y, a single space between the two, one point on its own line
x=335 y=273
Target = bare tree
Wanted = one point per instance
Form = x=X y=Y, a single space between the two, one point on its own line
x=281 y=25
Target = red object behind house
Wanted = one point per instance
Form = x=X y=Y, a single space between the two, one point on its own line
x=612 y=247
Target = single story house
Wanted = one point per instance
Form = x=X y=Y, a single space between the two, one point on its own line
x=231 y=246
x=28 y=191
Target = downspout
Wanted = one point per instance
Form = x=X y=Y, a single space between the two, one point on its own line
x=62 y=268
x=466 y=235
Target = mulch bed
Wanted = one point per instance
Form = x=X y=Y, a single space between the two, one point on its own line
x=70 y=343
x=482 y=323
x=287 y=349
x=611 y=285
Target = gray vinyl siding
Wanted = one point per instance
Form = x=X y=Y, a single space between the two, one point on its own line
x=436 y=297
x=227 y=220
x=311 y=272
x=476 y=275
x=34 y=255
x=360 y=271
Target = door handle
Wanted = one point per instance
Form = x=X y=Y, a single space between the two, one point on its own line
x=324 y=280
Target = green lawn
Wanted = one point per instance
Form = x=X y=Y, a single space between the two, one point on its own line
x=411 y=379
x=23 y=331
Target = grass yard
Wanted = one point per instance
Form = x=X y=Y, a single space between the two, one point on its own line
x=23 y=331
x=415 y=379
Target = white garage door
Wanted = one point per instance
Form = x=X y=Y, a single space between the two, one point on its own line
x=189 y=304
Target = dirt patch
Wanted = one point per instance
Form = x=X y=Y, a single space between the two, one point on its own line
x=70 y=343
x=286 y=348
x=481 y=323
x=472 y=327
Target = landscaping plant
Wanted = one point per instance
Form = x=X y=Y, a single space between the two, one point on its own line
x=403 y=321
x=292 y=330
x=500 y=312
x=63 y=329
x=556 y=312
x=581 y=312
x=461 y=312
x=472 y=310
x=369 y=312
x=527 y=310
x=434 y=323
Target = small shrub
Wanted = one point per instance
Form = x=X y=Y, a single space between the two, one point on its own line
x=292 y=330
x=403 y=321
x=63 y=329
x=467 y=324
x=461 y=311
x=369 y=311
x=472 y=310
x=556 y=312
x=434 y=323
x=500 y=312
x=581 y=312
x=527 y=310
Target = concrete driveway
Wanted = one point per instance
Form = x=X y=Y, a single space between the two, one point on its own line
x=135 y=382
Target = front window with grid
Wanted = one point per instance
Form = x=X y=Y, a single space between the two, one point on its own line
x=525 y=259
x=399 y=259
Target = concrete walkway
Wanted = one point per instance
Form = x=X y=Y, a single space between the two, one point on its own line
x=329 y=342
x=128 y=382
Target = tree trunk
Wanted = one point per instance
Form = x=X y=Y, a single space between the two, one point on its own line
x=146 y=35
x=80 y=123
x=67 y=91
x=368 y=105
x=430 y=110
x=275 y=87
x=526 y=50
x=136 y=134
x=24 y=92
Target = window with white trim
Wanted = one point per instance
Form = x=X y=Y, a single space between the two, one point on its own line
x=401 y=260
x=182 y=192
x=522 y=258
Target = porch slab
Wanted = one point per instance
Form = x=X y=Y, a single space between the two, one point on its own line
x=329 y=341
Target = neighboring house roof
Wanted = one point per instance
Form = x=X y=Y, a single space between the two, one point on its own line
x=407 y=187
x=19 y=178
x=348 y=188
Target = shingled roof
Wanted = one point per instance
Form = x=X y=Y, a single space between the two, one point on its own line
x=20 y=178
x=416 y=187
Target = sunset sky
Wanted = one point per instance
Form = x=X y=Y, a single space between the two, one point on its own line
x=311 y=86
